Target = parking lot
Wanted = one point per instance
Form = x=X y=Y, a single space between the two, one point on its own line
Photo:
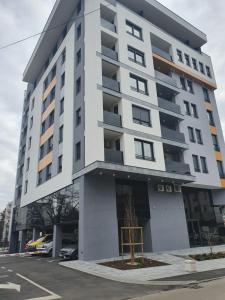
x=42 y=278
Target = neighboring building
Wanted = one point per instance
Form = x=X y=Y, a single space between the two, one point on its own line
x=1 y=224
x=121 y=105
x=6 y=222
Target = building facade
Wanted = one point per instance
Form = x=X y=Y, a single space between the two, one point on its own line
x=120 y=103
x=6 y=222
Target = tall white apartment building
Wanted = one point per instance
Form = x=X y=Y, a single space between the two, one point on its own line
x=120 y=106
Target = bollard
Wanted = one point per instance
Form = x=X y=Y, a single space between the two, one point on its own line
x=190 y=265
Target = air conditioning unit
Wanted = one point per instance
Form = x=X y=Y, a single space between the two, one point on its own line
x=169 y=189
x=160 y=188
x=177 y=188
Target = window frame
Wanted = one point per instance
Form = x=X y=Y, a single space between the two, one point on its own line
x=191 y=134
x=134 y=28
x=78 y=151
x=141 y=121
x=136 y=52
x=197 y=168
x=137 y=88
x=204 y=165
x=187 y=59
x=198 y=135
x=180 y=56
x=143 y=156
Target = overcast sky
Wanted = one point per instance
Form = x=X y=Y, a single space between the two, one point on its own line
x=21 y=18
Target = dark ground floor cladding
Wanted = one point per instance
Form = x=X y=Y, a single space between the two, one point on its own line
x=171 y=217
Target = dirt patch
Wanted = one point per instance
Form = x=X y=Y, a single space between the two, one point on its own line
x=140 y=263
x=208 y=256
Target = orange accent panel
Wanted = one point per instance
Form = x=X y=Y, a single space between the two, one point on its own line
x=208 y=106
x=213 y=129
x=222 y=181
x=45 y=161
x=183 y=71
x=48 y=110
x=218 y=155
x=49 y=88
x=48 y=133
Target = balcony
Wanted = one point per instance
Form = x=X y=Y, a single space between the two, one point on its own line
x=108 y=25
x=162 y=53
x=172 y=135
x=112 y=119
x=169 y=105
x=110 y=83
x=113 y=156
x=109 y=53
x=166 y=78
x=177 y=167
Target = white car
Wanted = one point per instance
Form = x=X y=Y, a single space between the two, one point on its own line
x=45 y=248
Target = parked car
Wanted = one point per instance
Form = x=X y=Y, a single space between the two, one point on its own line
x=69 y=251
x=45 y=248
x=32 y=245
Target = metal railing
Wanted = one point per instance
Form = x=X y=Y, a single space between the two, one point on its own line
x=110 y=83
x=112 y=119
x=172 y=135
x=109 y=53
x=162 y=53
x=169 y=105
x=113 y=156
x=166 y=78
x=177 y=167
x=108 y=25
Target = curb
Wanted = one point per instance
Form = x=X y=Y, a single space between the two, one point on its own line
x=16 y=254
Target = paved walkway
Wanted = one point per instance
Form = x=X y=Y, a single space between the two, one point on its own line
x=175 y=259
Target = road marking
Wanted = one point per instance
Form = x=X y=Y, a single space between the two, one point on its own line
x=52 y=296
x=10 y=286
x=50 y=261
x=10 y=270
x=3 y=268
x=4 y=276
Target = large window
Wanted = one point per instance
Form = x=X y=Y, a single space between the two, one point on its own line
x=144 y=150
x=136 y=56
x=141 y=116
x=221 y=169
x=138 y=84
x=134 y=30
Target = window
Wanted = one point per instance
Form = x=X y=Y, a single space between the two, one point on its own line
x=53 y=72
x=141 y=116
x=55 y=49
x=78 y=85
x=26 y=187
x=46 y=63
x=32 y=103
x=39 y=177
x=64 y=33
x=183 y=83
x=43 y=125
x=78 y=7
x=134 y=30
x=206 y=94
x=136 y=56
x=194 y=62
x=61 y=134
x=187 y=59
x=51 y=118
x=201 y=67
x=52 y=94
x=180 y=56
x=78 y=116
x=60 y=164
x=144 y=150
x=190 y=86
x=61 y=111
x=78 y=151
x=49 y=172
x=194 y=110
x=78 y=31
x=196 y=163
x=208 y=71
x=191 y=134
x=50 y=144
x=204 y=165
x=187 y=108
x=199 y=136
x=29 y=142
x=215 y=142
x=62 y=80
x=78 y=57
x=221 y=169
x=138 y=84
x=45 y=83
x=44 y=105
x=31 y=122
x=210 y=117
x=28 y=164
x=41 y=151
x=63 y=57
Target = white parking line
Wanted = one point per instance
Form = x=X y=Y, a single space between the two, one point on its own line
x=3 y=268
x=4 y=276
x=50 y=261
x=10 y=270
x=52 y=296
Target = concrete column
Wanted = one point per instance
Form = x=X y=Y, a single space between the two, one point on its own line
x=22 y=240
x=147 y=237
x=57 y=240
x=35 y=234
x=13 y=243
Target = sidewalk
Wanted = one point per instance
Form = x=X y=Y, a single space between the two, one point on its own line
x=175 y=259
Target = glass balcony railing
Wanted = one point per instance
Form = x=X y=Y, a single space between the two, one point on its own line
x=162 y=53
x=172 y=135
x=177 y=167
x=113 y=156
x=110 y=83
x=108 y=25
x=166 y=78
x=112 y=119
x=109 y=53
x=169 y=105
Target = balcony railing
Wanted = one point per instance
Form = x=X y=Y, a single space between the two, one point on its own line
x=168 y=105
x=109 y=53
x=112 y=119
x=108 y=25
x=172 y=135
x=110 y=83
x=113 y=156
x=166 y=78
x=177 y=167
x=162 y=53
